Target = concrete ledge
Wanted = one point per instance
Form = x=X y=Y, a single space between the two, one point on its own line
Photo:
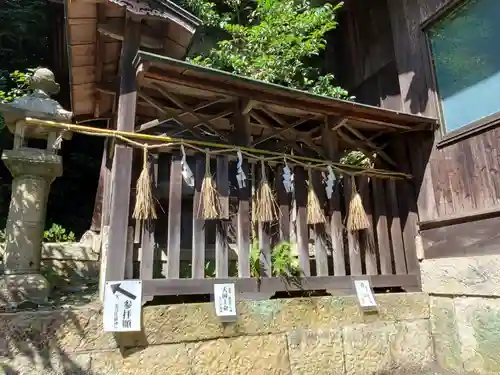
x=479 y=275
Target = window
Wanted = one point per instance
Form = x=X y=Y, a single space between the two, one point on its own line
x=466 y=52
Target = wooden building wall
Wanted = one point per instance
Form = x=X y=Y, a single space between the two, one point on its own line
x=387 y=63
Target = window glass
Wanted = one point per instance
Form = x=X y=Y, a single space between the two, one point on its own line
x=466 y=52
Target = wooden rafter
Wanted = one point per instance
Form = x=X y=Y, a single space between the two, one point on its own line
x=167 y=112
x=174 y=99
x=298 y=136
x=370 y=143
x=278 y=132
x=205 y=105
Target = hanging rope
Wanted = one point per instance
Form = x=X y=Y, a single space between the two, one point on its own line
x=216 y=148
x=144 y=203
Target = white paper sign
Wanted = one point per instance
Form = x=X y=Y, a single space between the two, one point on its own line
x=225 y=300
x=365 y=294
x=122 y=306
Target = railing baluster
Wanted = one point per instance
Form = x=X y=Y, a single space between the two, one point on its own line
x=243 y=226
x=396 y=234
x=284 y=206
x=198 y=260
x=369 y=243
x=221 y=235
x=352 y=237
x=380 y=220
x=174 y=219
x=320 y=245
x=148 y=234
x=301 y=222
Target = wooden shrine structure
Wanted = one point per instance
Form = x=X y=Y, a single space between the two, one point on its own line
x=151 y=91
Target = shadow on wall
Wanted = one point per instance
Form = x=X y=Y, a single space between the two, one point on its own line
x=35 y=342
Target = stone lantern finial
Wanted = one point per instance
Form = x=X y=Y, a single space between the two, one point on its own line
x=44 y=80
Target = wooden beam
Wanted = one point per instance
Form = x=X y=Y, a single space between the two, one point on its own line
x=173 y=98
x=375 y=147
x=122 y=161
x=287 y=127
x=99 y=58
x=116 y=30
x=271 y=285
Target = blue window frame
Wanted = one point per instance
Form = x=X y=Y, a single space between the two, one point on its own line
x=465 y=47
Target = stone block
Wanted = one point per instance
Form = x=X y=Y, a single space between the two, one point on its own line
x=271 y=316
x=478 y=321
x=318 y=352
x=248 y=355
x=46 y=363
x=479 y=275
x=62 y=331
x=153 y=360
x=388 y=348
x=445 y=335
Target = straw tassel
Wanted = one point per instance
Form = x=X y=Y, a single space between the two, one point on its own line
x=144 y=203
x=267 y=207
x=315 y=214
x=209 y=208
x=357 y=219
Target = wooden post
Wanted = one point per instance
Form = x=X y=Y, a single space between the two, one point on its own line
x=242 y=138
x=352 y=237
x=174 y=218
x=221 y=234
x=331 y=145
x=122 y=160
x=198 y=260
x=301 y=222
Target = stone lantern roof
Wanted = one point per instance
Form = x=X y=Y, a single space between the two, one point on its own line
x=37 y=104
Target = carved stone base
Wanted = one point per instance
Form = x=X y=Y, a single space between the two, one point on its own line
x=20 y=288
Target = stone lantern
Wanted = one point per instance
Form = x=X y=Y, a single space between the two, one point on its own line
x=33 y=170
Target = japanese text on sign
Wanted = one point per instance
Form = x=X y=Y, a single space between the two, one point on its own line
x=225 y=299
x=365 y=294
x=122 y=306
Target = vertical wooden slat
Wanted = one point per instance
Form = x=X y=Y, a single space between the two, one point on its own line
x=221 y=235
x=301 y=222
x=335 y=228
x=148 y=232
x=129 y=259
x=174 y=219
x=263 y=234
x=369 y=243
x=198 y=261
x=352 y=237
x=320 y=245
x=284 y=206
x=408 y=209
x=380 y=220
x=243 y=227
x=122 y=161
x=398 y=250
x=242 y=137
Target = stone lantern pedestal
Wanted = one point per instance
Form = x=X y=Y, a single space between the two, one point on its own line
x=33 y=170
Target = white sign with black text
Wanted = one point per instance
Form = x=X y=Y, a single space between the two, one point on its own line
x=122 y=306
x=225 y=300
x=365 y=294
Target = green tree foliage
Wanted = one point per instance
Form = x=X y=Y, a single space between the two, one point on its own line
x=271 y=40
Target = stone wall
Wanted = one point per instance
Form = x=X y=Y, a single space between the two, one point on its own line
x=465 y=312
x=69 y=263
x=320 y=335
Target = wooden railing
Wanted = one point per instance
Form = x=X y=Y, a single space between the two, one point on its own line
x=181 y=254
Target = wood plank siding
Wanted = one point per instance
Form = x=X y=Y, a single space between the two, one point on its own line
x=387 y=63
